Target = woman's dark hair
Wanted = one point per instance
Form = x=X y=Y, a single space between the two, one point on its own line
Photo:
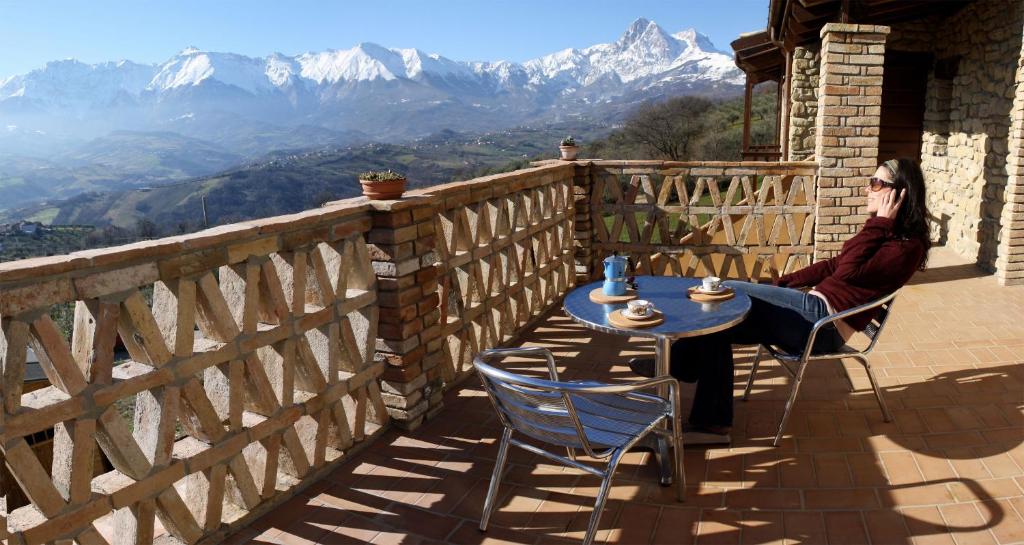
x=912 y=219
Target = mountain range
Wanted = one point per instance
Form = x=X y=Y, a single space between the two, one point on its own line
x=368 y=88
x=115 y=117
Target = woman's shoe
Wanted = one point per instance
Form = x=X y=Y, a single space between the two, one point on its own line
x=709 y=435
x=642 y=366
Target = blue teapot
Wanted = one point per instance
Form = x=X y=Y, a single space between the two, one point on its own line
x=615 y=275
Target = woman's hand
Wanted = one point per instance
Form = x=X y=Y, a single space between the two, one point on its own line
x=890 y=205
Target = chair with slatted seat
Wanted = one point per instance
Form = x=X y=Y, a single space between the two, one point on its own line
x=602 y=420
x=801 y=359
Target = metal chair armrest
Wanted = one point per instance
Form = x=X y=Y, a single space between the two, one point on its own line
x=501 y=353
x=832 y=318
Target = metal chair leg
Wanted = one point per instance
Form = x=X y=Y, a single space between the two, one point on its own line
x=677 y=452
x=797 y=379
x=602 y=496
x=753 y=371
x=886 y=415
x=499 y=470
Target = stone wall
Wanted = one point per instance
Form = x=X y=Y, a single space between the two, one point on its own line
x=969 y=100
x=847 y=126
x=804 y=105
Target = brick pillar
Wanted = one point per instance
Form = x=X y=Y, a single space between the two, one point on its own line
x=1010 y=251
x=408 y=336
x=583 y=229
x=847 y=126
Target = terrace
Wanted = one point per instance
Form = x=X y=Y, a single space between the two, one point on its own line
x=307 y=378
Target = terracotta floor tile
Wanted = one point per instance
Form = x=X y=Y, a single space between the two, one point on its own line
x=677 y=525
x=719 y=526
x=1010 y=528
x=841 y=498
x=966 y=522
x=804 y=527
x=886 y=527
x=845 y=528
x=636 y=524
x=832 y=470
x=926 y=526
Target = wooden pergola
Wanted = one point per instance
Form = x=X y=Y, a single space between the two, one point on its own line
x=761 y=60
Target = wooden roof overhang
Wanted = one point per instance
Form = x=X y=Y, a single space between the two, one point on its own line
x=759 y=57
x=798 y=22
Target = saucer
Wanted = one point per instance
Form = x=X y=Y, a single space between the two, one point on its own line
x=721 y=289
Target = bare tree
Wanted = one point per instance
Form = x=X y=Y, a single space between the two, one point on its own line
x=669 y=129
x=145 y=229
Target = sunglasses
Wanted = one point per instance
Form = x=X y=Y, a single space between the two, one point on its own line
x=876 y=184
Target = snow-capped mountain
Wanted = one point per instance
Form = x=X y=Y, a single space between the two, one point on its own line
x=385 y=92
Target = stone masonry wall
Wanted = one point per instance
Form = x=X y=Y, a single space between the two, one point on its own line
x=804 y=107
x=847 y=125
x=965 y=149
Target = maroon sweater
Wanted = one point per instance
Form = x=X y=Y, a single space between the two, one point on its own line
x=871 y=265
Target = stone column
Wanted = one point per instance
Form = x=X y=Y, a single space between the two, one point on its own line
x=402 y=252
x=583 y=228
x=847 y=127
x=1010 y=249
x=803 y=103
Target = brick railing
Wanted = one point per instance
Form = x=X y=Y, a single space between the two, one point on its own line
x=250 y=373
x=747 y=220
x=260 y=354
x=477 y=261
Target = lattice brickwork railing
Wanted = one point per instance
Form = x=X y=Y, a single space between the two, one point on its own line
x=737 y=220
x=251 y=368
x=505 y=254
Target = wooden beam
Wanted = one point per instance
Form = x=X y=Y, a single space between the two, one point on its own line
x=747 y=96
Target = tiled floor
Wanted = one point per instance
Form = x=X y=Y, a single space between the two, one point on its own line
x=949 y=469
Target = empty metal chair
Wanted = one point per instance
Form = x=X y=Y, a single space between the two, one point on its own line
x=603 y=420
x=873 y=331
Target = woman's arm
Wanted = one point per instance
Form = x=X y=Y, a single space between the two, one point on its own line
x=861 y=251
x=808 y=276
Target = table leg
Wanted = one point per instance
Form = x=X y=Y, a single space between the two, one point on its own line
x=662 y=353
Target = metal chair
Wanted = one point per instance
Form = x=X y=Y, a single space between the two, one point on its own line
x=602 y=420
x=873 y=331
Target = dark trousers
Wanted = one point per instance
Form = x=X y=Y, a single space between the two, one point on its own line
x=778 y=316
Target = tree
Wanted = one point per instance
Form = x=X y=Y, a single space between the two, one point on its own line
x=145 y=229
x=669 y=130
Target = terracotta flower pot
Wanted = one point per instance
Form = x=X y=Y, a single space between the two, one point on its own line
x=569 y=152
x=383 y=190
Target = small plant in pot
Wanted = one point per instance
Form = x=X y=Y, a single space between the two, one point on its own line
x=382 y=184
x=569 y=148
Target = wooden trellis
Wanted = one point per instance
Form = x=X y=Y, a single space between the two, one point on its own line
x=734 y=221
x=503 y=258
x=251 y=368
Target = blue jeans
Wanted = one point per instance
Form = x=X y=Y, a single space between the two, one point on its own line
x=778 y=316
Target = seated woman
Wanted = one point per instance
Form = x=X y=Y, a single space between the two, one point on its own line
x=890 y=247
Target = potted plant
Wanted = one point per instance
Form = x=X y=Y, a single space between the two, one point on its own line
x=569 y=149
x=382 y=184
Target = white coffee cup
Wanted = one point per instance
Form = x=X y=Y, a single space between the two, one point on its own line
x=711 y=283
x=639 y=307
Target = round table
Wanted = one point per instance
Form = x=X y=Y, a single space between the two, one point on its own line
x=683 y=318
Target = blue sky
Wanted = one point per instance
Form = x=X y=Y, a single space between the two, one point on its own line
x=33 y=32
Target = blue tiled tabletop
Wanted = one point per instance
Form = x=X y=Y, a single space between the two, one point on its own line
x=683 y=317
